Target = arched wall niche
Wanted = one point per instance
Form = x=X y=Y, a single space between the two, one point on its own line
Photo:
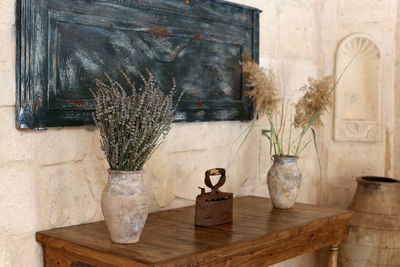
x=358 y=105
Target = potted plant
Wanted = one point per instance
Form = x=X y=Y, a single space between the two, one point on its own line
x=288 y=134
x=133 y=120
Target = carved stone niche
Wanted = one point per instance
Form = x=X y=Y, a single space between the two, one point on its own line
x=358 y=98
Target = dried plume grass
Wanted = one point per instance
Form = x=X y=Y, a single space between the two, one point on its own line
x=263 y=92
x=262 y=83
x=316 y=100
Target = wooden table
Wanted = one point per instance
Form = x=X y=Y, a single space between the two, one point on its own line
x=258 y=236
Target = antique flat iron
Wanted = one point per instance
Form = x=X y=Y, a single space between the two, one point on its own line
x=214 y=207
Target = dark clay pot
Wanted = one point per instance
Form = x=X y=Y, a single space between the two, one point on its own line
x=374 y=232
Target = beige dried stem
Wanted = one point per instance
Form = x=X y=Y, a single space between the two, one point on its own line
x=309 y=109
x=263 y=94
x=262 y=83
x=315 y=99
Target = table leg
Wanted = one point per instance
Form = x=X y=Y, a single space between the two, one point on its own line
x=333 y=255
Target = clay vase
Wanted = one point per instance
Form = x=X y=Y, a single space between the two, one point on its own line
x=284 y=180
x=124 y=203
x=374 y=231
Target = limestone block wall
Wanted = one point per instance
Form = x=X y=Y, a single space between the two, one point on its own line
x=350 y=155
x=54 y=178
x=397 y=96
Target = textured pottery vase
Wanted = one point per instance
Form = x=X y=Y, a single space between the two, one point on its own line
x=374 y=229
x=284 y=180
x=124 y=203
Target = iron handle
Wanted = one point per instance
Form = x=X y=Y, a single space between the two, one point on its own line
x=212 y=172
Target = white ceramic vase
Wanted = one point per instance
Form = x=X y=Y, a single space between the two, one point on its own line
x=124 y=203
x=284 y=180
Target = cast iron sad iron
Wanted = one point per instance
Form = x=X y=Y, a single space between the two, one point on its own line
x=214 y=207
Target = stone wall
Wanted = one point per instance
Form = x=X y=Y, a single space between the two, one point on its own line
x=54 y=178
x=374 y=20
x=397 y=95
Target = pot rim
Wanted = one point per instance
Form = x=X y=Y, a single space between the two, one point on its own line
x=285 y=156
x=125 y=172
x=381 y=180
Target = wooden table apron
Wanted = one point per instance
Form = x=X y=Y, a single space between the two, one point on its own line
x=258 y=236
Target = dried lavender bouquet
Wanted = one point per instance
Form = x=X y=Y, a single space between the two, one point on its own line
x=132 y=120
x=316 y=100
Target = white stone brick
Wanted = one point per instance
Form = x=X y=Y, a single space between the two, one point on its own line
x=269 y=30
x=18 y=199
x=184 y=137
x=20 y=251
x=63 y=145
x=7 y=11
x=53 y=146
x=358 y=12
x=16 y=145
x=7 y=48
x=363 y=160
x=297 y=37
x=73 y=194
x=7 y=88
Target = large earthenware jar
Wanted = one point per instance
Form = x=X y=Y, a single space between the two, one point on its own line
x=284 y=180
x=374 y=232
x=125 y=205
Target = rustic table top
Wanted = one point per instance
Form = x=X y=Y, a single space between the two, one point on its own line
x=258 y=236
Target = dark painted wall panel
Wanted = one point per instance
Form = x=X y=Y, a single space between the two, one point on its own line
x=64 y=45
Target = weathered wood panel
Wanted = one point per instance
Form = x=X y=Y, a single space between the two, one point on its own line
x=63 y=46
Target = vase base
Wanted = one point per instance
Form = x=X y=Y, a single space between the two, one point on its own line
x=282 y=202
x=283 y=207
x=130 y=240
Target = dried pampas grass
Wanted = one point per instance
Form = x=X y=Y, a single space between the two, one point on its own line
x=262 y=83
x=316 y=100
x=263 y=92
